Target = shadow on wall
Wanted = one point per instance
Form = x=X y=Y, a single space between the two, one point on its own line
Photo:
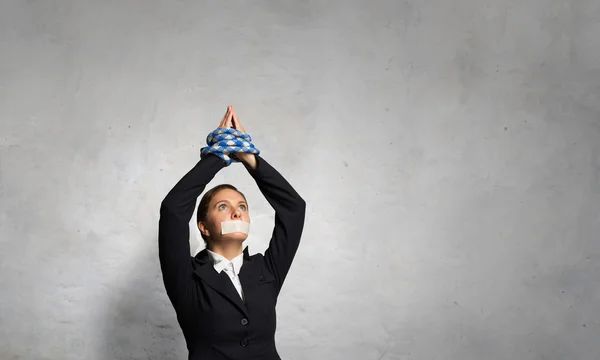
x=140 y=322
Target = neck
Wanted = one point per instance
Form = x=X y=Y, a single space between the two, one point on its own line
x=227 y=250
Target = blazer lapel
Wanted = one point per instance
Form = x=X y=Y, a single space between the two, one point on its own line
x=251 y=275
x=220 y=282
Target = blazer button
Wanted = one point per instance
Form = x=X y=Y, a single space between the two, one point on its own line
x=262 y=278
x=244 y=343
x=244 y=321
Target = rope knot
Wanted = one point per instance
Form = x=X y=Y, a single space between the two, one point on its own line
x=225 y=142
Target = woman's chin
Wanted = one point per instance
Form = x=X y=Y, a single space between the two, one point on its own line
x=237 y=237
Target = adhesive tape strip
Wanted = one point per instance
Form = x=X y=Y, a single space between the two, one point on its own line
x=234 y=226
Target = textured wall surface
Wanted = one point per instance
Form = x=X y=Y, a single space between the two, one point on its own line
x=449 y=153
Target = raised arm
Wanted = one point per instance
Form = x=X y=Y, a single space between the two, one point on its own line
x=289 y=217
x=173 y=228
x=289 y=209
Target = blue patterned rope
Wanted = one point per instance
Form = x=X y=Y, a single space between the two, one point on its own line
x=224 y=142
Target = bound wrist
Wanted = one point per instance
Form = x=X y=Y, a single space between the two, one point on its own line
x=248 y=159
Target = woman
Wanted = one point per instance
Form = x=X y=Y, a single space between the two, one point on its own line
x=223 y=297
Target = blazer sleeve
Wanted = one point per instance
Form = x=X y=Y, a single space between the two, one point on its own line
x=290 y=211
x=173 y=228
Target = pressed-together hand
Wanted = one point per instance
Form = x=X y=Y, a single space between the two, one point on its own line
x=227 y=118
x=231 y=120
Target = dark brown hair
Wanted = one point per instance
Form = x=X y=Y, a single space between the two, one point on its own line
x=207 y=198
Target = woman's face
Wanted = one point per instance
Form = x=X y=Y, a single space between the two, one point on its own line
x=226 y=205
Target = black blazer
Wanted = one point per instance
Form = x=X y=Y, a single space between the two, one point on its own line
x=216 y=323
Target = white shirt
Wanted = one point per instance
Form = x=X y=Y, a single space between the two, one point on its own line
x=231 y=268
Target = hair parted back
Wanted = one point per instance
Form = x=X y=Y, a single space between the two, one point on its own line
x=202 y=211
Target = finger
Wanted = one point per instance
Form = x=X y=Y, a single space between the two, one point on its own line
x=236 y=121
x=225 y=118
x=227 y=122
x=237 y=124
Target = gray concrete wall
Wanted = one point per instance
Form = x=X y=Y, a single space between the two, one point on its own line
x=449 y=152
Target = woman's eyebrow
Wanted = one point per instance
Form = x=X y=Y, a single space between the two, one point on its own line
x=225 y=200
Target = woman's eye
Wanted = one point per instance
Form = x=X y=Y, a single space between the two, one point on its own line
x=222 y=207
x=243 y=207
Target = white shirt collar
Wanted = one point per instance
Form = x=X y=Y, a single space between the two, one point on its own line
x=220 y=262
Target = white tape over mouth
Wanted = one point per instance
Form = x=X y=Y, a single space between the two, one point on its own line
x=234 y=226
